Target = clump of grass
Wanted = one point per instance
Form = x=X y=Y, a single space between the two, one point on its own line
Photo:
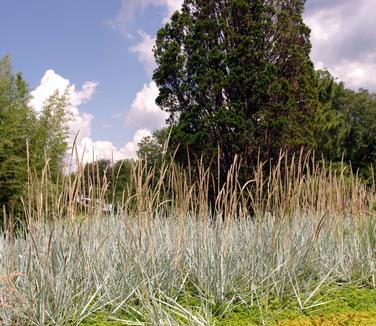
x=9 y=296
x=144 y=271
x=291 y=186
x=170 y=255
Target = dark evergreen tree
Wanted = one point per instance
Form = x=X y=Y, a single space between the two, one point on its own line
x=235 y=75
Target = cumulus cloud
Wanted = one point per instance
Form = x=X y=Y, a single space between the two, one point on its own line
x=144 y=112
x=343 y=35
x=144 y=51
x=52 y=82
x=90 y=150
x=356 y=74
x=343 y=39
x=87 y=148
x=130 y=148
x=171 y=5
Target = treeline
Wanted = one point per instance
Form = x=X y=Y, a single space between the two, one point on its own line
x=346 y=125
x=104 y=178
x=344 y=129
x=237 y=79
x=344 y=136
x=28 y=139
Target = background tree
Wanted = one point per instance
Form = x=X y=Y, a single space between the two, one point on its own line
x=27 y=139
x=328 y=121
x=49 y=135
x=105 y=178
x=358 y=135
x=236 y=75
x=154 y=148
x=15 y=118
x=347 y=125
x=121 y=177
x=97 y=177
x=293 y=95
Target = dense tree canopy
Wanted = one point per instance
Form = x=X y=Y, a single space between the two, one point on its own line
x=236 y=75
x=27 y=140
x=346 y=129
x=14 y=132
x=154 y=148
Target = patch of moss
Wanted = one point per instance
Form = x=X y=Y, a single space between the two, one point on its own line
x=100 y=319
x=105 y=319
x=348 y=319
x=332 y=305
x=341 y=305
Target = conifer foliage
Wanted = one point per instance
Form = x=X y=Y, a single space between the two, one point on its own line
x=236 y=75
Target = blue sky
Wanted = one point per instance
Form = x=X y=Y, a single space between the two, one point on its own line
x=103 y=48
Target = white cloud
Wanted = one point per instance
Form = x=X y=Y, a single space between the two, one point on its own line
x=84 y=95
x=128 y=9
x=90 y=150
x=343 y=39
x=130 y=148
x=87 y=148
x=49 y=84
x=144 y=51
x=172 y=6
x=356 y=74
x=52 y=82
x=145 y=113
x=325 y=25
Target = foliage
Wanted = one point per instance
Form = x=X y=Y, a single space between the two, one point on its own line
x=346 y=304
x=103 y=179
x=121 y=175
x=347 y=129
x=236 y=78
x=97 y=177
x=49 y=134
x=14 y=126
x=154 y=148
x=27 y=139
